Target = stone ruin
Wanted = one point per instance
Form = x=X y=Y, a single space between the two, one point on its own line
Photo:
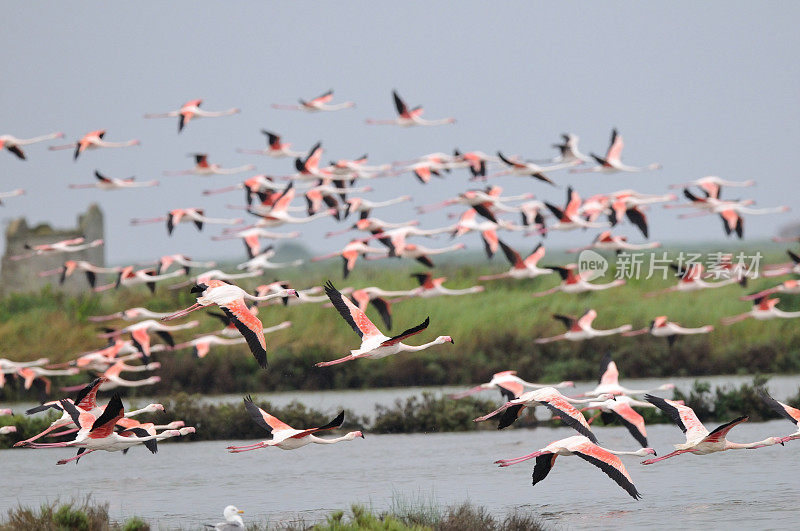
x=23 y=275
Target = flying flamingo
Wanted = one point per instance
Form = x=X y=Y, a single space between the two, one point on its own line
x=433 y=287
x=261 y=262
x=409 y=117
x=609 y=382
x=350 y=254
x=522 y=168
x=569 y=217
x=365 y=206
x=130 y=277
x=252 y=238
x=662 y=327
x=201 y=345
x=191 y=109
x=606 y=241
x=550 y=398
x=112 y=183
x=85 y=400
x=202 y=167
x=787 y=286
x=284 y=436
x=71 y=245
x=259 y=185
x=275 y=148
x=140 y=333
x=304 y=296
x=612 y=162
x=12 y=143
x=621 y=408
x=510 y=385
x=37 y=376
x=568 y=151
x=604 y=459
x=788 y=412
x=699 y=440
x=475 y=161
x=784 y=269
x=357 y=167
x=230 y=299
x=478 y=198
x=320 y=103
x=691 y=279
x=373 y=225
x=166 y=261
x=97 y=433
x=374 y=344
x=186 y=215
x=5 y=430
x=521 y=268
x=763 y=308
x=71 y=266
x=93 y=140
x=580 y=329
x=710 y=183
x=468 y=222
x=422 y=254
x=573 y=281
x=112 y=374
x=279 y=213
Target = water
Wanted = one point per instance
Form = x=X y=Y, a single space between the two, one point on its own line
x=186 y=485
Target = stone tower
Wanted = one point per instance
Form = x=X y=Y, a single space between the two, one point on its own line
x=23 y=275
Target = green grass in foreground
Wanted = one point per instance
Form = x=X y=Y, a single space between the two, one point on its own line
x=82 y=515
x=88 y=516
x=492 y=331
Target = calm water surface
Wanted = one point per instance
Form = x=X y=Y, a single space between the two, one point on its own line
x=186 y=485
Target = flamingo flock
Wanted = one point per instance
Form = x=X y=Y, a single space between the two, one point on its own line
x=331 y=195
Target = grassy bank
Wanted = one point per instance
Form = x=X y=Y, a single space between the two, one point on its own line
x=493 y=331
x=85 y=515
x=90 y=516
x=428 y=413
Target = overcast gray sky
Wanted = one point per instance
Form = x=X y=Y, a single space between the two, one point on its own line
x=704 y=88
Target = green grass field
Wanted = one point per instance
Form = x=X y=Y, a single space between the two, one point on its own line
x=493 y=331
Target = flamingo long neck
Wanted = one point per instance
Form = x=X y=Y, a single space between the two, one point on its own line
x=411 y=348
x=769 y=441
x=319 y=440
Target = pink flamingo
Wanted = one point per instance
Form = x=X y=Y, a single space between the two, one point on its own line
x=521 y=268
x=112 y=183
x=320 y=103
x=230 y=299
x=350 y=254
x=699 y=440
x=609 y=382
x=202 y=167
x=12 y=143
x=763 y=308
x=580 y=329
x=284 y=436
x=510 y=385
x=275 y=148
x=374 y=344
x=93 y=140
x=550 y=398
x=72 y=245
x=662 y=327
x=573 y=281
x=186 y=215
x=409 y=117
x=605 y=460
x=189 y=110
x=612 y=162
